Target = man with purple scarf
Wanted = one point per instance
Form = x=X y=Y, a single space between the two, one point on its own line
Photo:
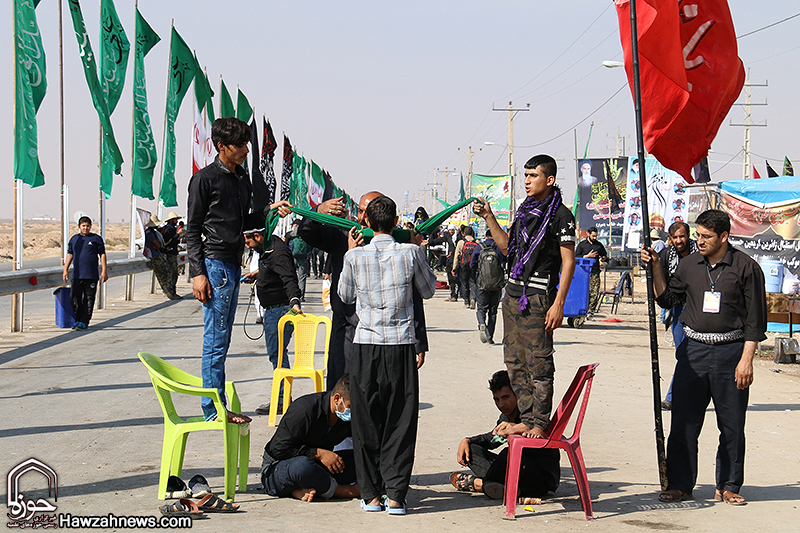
x=539 y=244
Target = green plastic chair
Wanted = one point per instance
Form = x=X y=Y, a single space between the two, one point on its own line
x=167 y=379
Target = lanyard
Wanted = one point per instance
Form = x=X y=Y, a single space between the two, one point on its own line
x=714 y=281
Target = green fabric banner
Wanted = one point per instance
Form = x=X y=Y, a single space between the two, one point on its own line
x=144 y=145
x=182 y=70
x=95 y=89
x=437 y=219
x=244 y=111
x=203 y=94
x=114 y=51
x=226 y=108
x=30 y=87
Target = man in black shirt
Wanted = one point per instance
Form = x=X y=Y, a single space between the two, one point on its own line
x=724 y=319
x=540 y=240
x=219 y=199
x=277 y=288
x=539 y=469
x=591 y=248
x=299 y=460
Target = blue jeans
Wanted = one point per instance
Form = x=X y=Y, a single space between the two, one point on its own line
x=677 y=335
x=218 y=315
x=271 y=318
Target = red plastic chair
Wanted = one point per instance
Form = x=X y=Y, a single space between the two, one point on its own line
x=555 y=439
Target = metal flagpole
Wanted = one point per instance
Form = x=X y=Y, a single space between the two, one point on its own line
x=130 y=280
x=651 y=311
x=101 y=286
x=64 y=204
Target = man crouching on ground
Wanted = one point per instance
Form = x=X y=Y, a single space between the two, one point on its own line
x=299 y=461
x=539 y=469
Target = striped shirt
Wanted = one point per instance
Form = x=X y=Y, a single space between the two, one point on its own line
x=377 y=278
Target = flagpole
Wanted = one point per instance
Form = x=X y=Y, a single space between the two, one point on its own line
x=163 y=148
x=656 y=375
x=130 y=279
x=64 y=211
x=101 y=286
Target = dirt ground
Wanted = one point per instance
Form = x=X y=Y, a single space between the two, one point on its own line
x=43 y=238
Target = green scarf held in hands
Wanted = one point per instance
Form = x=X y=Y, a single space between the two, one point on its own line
x=436 y=220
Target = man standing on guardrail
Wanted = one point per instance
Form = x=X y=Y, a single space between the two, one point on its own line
x=86 y=248
x=219 y=199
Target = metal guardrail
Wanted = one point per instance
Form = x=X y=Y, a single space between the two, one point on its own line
x=35 y=279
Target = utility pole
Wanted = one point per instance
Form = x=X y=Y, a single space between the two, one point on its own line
x=748 y=122
x=447 y=173
x=511 y=112
x=619 y=142
x=469 y=153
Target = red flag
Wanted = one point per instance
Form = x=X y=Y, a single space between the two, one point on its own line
x=756 y=175
x=690 y=75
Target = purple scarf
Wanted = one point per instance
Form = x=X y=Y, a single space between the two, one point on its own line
x=532 y=219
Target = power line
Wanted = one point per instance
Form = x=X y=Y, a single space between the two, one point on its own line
x=768 y=26
x=729 y=161
x=584 y=119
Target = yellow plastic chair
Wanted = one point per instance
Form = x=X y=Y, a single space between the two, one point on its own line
x=167 y=379
x=305 y=340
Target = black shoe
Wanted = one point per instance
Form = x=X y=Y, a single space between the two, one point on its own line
x=264 y=409
x=666 y=406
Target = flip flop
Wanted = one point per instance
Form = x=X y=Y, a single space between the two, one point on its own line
x=176 y=489
x=674 y=495
x=198 y=486
x=371 y=508
x=396 y=510
x=211 y=504
x=182 y=507
x=729 y=497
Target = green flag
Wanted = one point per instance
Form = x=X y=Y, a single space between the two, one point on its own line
x=203 y=94
x=298 y=181
x=182 y=70
x=144 y=145
x=461 y=194
x=95 y=89
x=30 y=87
x=114 y=52
x=787 y=167
x=226 y=108
x=244 y=111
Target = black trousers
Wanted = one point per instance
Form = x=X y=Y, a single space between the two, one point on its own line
x=452 y=280
x=539 y=471
x=339 y=350
x=706 y=372
x=384 y=399
x=82 y=293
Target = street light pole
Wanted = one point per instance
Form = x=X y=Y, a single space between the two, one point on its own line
x=511 y=112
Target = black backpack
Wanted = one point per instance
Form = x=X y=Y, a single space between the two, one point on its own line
x=491 y=276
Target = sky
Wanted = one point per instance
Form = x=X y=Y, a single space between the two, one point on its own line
x=390 y=95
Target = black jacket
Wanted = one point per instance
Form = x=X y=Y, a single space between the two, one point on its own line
x=303 y=429
x=218 y=201
x=276 y=282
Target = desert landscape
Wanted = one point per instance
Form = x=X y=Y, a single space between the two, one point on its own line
x=43 y=238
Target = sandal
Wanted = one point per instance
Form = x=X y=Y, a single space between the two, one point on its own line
x=674 y=495
x=182 y=507
x=463 y=482
x=213 y=504
x=729 y=497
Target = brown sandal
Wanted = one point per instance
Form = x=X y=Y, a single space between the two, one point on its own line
x=729 y=497
x=674 y=495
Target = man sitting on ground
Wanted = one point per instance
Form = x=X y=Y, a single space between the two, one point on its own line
x=539 y=469
x=299 y=462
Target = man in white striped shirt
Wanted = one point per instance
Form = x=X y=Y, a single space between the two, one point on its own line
x=384 y=386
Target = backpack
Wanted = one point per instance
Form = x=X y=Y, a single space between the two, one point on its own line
x=466 y=255
x=491 y=276
x=299 y=247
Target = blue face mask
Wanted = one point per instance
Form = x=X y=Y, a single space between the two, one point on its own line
x=345 y=415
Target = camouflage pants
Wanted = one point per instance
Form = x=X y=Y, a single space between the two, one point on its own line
x=161 y=270
x=172 y=262
x=528 y=354
x=594 y=292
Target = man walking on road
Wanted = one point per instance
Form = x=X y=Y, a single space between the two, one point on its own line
x=219 y=199
x=724 y=319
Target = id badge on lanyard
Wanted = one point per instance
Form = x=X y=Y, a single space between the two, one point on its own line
x=712 y=299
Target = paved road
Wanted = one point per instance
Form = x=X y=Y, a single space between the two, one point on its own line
x=82 y=403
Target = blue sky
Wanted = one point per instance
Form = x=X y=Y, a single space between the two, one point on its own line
x=383 y=93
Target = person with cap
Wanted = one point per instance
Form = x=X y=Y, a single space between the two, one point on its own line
x=656 y=243
x=169 y=228
x=277 y=289
x=155 y=244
